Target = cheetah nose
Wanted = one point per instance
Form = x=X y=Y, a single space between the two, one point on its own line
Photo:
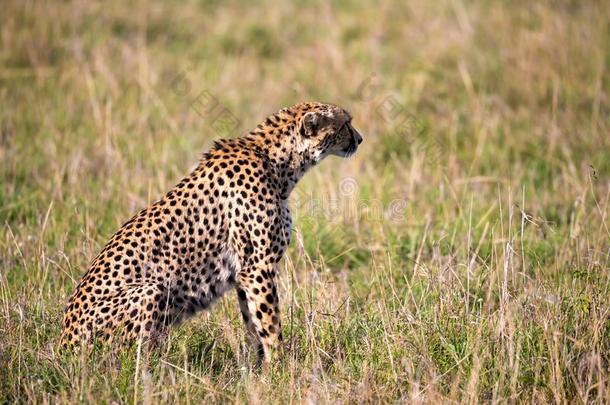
x=355 y=134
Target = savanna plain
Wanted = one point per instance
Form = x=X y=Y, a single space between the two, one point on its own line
x=462 y=255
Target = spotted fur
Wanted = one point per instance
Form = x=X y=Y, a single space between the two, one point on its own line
x=225 y=226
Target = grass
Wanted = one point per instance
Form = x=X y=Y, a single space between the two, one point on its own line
x=462 y=254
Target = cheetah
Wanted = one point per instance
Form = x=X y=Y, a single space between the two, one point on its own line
x=225 y=226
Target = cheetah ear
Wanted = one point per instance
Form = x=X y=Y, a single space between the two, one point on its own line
x=310 y=124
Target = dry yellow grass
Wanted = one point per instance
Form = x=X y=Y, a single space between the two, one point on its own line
x=462 y=255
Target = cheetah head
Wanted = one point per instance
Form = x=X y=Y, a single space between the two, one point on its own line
x=325 y=129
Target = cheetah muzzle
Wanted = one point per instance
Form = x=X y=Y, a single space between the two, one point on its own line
x=225 y=226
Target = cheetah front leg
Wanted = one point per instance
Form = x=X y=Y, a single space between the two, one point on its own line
x=258 y=301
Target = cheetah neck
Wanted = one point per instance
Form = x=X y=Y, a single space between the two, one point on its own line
x=278 y=142
x=288 y=166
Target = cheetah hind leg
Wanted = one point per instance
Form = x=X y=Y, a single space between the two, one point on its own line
x=144 y=315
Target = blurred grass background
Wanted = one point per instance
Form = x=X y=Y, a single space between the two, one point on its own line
x=461 y=255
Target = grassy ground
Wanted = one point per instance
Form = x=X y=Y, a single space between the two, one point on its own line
x=462 y=255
